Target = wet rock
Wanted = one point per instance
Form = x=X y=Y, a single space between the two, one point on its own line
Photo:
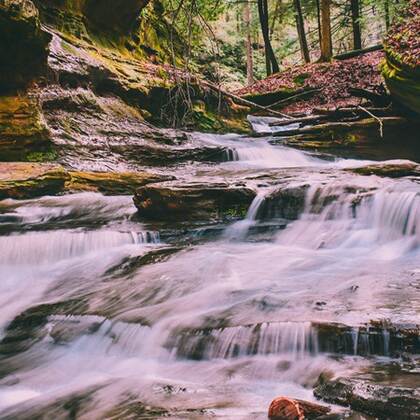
x=283 y=408
x=375 y=338
x=176 y=201
x=25 y=180
x=112 y=182
x=279 y=337
x=286 y=203
x=23 y=44
x=390 y=169
x=380 y=400
x=23 y=133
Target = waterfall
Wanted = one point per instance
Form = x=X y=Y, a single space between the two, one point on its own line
x=298 y=339
x=334 y=217
x=49 y=247
x=239 y=230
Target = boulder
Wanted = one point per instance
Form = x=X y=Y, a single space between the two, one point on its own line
x=25 y=180
x=23 y=44
x=193 y=201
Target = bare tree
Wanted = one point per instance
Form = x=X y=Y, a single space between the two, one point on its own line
x=249 y=50
x=355 y=19
x=300 y=25
x=272 y=65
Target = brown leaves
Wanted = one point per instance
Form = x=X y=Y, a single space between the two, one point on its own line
x=334 y=79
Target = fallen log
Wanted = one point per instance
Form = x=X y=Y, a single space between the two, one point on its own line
x=332 y=128
x=334 y=115
x=283 y=408
x=375 y=98
x=356 y=53
x=295 y=98
x=242 y=101
x=352 y=111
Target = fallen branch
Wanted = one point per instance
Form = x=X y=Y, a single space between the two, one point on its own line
x=245 y=102
x=330 y=129
x=300 y=120
x=356 y=53
x=295 y=98
x=381 y=125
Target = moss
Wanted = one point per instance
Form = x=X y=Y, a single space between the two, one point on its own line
x=25 y=180
x=299 y=80
x=47 y=156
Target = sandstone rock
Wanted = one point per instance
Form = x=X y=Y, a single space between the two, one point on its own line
x=175 y=201
x=25 y=180
x=23 y=44
x=390 y=169
x=112 y=182
x=22 y=129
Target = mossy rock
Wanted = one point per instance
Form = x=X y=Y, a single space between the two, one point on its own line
x=26 y=180
x=403 y=82
x=112 y=182
x=22 y=128
x=23 y=44
x=194 y=201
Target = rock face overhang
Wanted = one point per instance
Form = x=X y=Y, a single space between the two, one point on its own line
x=23 y=44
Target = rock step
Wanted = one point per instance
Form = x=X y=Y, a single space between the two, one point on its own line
x=193 y=201
x=21 y=180
x=298 y=338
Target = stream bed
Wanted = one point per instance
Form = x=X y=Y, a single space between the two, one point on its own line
x=107 y=314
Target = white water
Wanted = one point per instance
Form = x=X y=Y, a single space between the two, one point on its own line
x=227 y=324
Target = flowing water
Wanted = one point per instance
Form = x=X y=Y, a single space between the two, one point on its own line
x=101 y=315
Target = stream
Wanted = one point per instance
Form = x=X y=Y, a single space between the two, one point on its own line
x=108 y=315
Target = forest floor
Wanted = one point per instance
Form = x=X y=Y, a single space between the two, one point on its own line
x=332 y=79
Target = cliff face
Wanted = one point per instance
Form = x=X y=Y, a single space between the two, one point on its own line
x=80 y=73
x=133 y=26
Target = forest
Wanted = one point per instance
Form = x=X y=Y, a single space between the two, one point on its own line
x=209 y=209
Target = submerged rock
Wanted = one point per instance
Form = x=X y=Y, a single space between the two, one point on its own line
x=25 y=180
x=174 y=201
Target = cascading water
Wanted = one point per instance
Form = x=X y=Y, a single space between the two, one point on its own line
x=93 y=304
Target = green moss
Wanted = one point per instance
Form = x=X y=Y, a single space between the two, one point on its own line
x=46 y=156
x=299 y=80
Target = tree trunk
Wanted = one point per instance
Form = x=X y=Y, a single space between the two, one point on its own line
x=318 y=15
x=300 y=25
x=326 y=44
x=292 y=409
x=355 y=19
x=249 y=51
x=270 y=59
x=387 y=17
x=276 y=16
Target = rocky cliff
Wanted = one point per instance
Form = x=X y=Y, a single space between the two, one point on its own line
x=88 y=78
